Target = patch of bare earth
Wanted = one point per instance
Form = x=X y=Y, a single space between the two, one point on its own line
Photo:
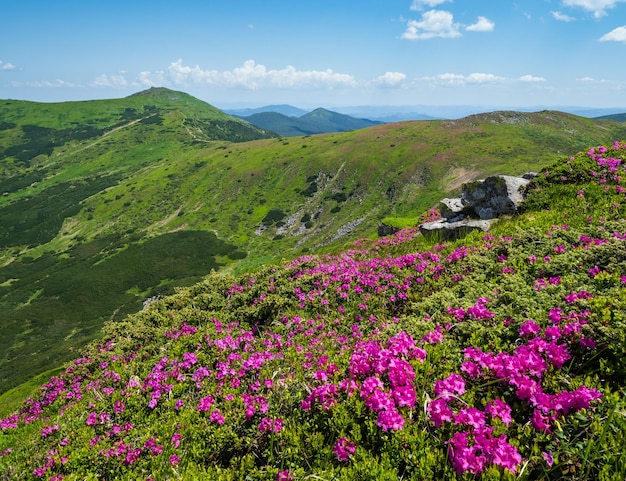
x=457 y=176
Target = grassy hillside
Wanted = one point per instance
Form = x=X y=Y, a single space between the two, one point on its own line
x=500 y=356
x=95 y=226
x=615 y=117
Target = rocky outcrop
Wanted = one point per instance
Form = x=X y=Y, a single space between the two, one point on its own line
x=385 y=230
x=480 y=205
x=456 y=230
x=495 y=196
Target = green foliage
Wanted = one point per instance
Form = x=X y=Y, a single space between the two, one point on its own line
x=124 y=175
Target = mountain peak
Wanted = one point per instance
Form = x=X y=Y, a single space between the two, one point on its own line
x=156 y=91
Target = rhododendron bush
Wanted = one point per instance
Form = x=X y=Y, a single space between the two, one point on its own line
x=499 y=356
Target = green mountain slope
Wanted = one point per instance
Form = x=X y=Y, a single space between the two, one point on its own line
x=92 y=229
x=285 y=109
x=318 y=121
x=500 y=356
x=616 y=117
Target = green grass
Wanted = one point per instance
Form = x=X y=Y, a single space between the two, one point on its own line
x=286 y=341
x=75 y=219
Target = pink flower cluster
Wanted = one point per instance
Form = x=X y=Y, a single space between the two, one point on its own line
x=343 y=449
x=523 y=370
x=478 y=311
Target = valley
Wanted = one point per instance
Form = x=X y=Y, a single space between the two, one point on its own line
x=108 y=203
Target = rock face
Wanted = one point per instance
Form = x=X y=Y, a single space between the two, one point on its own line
x=495 y=196
x=480 y=205
x=455 y=230
x=385 y=230
x=452 y=209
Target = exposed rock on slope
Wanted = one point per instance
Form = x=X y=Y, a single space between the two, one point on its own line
x=479 y=206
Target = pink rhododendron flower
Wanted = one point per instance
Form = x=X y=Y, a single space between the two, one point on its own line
x=271 y=425
x=471 y=417
x=439 y=412
x=284 y=476
x=401 y=343
x=390 y=419
x=205 y=403
x=548 y=457
x=404 y=396
x=505 y=454
x=472 y=369
x=343 y=449
x=217 y=417
x=529 y=328
x=175 y=440
x=540 y=421
x=499 y=409
x=447 y=388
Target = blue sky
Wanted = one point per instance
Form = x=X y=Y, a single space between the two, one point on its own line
x=310 y=53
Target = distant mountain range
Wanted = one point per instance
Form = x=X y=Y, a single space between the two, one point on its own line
x=616 y=117
x=319 y=121
x=400 y=113
x=288 y=110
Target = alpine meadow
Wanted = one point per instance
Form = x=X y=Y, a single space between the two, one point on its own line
x=185 y=295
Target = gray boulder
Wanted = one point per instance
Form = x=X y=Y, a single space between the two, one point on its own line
x=455 y=230
x=452 y=209
x=495 y=196
x=385 y=230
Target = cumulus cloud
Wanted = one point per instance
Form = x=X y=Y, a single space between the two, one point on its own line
x=603 y=82
x=250 y=75
x=477 y=78
x=481 y=78
x=419 y=4
x=483 y=24
x=434 y=23
x=391 y=79
x=460 y=80
x=7 y=66
x=598 y=7
x=531 y=78
x=58 y=83
x=109 y=81
x=562 y=17
x=615 y=35
x=152 y=79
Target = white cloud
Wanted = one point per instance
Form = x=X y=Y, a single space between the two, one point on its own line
x=591 y=80
x=58 y=83
x=391 y=79
x=616 y=35
x=419 y=4
x=562 y=17
x=483 y=24
x=7 y=66
x=481 y=78
x=250 y=75
x=434 y=23
x=531 y=78
x=448 y=79
x=460 y=80
x=152 y=79
x=598 y=7
x=110 y=81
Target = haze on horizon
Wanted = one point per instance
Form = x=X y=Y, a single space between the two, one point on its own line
x=310 y=53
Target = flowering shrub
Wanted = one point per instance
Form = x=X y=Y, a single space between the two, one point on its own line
x=500 y=356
